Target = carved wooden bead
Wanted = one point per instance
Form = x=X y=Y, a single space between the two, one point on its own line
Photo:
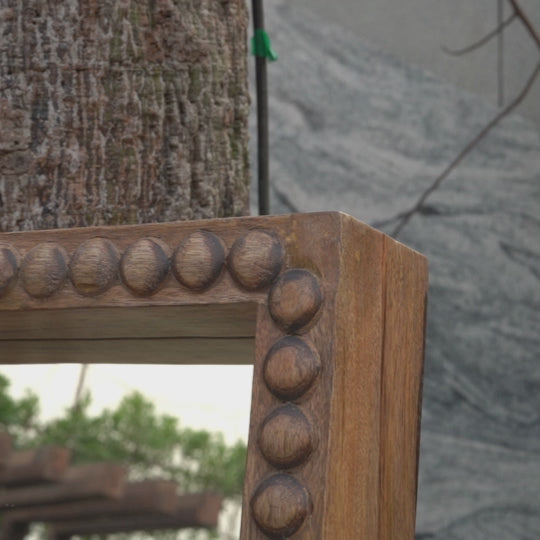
x=286 y=438
x=198 y=260
x=280 y=505
x=144 y=266
x=256 y=259
x=290 y=368
x=44 y=269
x=94 y=266
x=8 y=267
x=295 y=299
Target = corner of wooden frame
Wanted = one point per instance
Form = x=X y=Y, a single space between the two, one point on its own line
x=334 y=424
x=331 y=304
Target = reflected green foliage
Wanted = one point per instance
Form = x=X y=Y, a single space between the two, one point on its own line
x=18 y=416
x=154 y=445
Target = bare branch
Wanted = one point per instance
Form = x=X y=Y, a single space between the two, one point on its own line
x=80 y=385
x=500 y=55
x=477 y=44
x=406 y=216
x=526 y=22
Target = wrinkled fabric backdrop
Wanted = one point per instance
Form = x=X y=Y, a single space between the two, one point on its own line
x=354 y=129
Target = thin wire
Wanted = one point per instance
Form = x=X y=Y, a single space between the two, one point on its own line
x=261 y=77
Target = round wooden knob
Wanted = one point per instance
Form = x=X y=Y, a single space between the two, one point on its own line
x=286 y=438
x=290 y=367
x=294 y=299
x=44 y=269
x=9 y=262
x=144 y=266
x=279 y=505
x=198 y=260
x=256 y=259
x=94 y=266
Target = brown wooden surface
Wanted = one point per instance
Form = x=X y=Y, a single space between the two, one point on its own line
x=357 y=328
x=187 y=321
x=405 y=312
x=149 y=497
x=18 y=531
x=342 y=464
x=5 y=447
x=198 y=510
x=93 y=480
x=131 y=351
x=101 y=327
x=294 y=491
x=45 y=464
x=338 y=349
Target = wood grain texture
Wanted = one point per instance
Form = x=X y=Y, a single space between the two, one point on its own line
x=291 y=367
x=312 y=246
x=295 y=299
x=336 y=312
x=94 y=266
x=198 y=260
x=356 y=330
x=343 y=475
x=403 y=354
x=280 y=505
x=138 y=321
x=144 y=266
x=145 y=244
x=192 y=351
x=286 y=437
x=256 y=259
x=44 y=269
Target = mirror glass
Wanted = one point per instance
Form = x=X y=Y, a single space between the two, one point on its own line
x=214 y=398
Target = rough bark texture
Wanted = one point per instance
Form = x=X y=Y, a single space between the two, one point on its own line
x=122 y=111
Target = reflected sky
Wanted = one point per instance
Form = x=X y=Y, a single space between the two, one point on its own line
x=216 y=398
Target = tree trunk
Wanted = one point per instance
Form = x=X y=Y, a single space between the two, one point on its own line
x=122 y=111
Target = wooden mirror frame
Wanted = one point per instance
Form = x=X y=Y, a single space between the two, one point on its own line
x=334 y=310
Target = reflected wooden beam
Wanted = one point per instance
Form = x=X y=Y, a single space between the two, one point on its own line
x=149 y=497
x=95 y=480
x=196 y=510
x=41 y=465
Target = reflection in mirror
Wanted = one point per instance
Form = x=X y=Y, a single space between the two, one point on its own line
x=209 y=398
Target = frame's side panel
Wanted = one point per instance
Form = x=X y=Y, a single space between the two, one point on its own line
x=351 y=484
x=406 y=285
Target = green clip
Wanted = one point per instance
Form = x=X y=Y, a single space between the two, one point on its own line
x=261 y=46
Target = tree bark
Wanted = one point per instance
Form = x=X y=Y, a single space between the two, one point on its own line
x=122 y=111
